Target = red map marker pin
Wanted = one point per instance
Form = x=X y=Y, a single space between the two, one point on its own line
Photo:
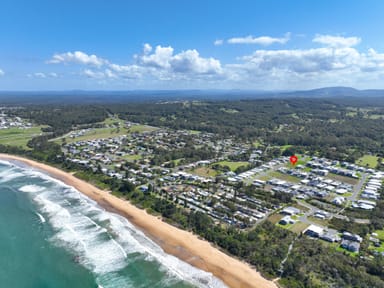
x=293 y=159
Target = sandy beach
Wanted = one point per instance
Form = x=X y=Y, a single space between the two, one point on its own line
x=179 y=243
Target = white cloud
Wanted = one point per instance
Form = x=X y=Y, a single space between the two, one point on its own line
x=187 y=62
x=262 y=40
x=94 y=74
x=127 y=71
x=159 y=59
x=77 y=57
x=42 y=75
x=147 y=48
x=337 y=63
x=218 y=42
x=336 y=41
x=315 y=67
x=1 y=73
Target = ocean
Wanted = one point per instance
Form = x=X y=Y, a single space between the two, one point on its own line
x=51 y=235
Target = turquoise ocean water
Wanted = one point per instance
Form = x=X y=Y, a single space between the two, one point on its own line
x=53 y=236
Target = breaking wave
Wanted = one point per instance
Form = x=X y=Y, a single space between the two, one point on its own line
x=103 y=242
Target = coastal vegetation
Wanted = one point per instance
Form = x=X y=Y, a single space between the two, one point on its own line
x=322 y=127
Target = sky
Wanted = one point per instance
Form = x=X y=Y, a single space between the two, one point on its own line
x=184 y=44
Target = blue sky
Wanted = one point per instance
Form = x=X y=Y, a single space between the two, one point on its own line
x=180 y=44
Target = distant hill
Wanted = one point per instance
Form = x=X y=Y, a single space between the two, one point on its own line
x=334 y=92
x=80 y=96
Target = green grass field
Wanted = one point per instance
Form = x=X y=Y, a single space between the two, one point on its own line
x=108 y=132
x=204 y=172
x=368 y=161
x=285 y=177
x=19 y=137
x=141 y=129
x=132 y=158
x=380 y=234
x=298 y=227
x=232 y=165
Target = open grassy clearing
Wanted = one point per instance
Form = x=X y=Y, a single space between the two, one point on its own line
x=299 y=227
x=131 y=158
x=97 y=133
x=19 y=137
x=141 y=129
x=377 y=249
x=232 y=165
x=380 y=234
x=300 y=207
x=285 y=177
x=287 y=226
x=257 y=143
x=107 y=132
x=318 y=221
x=204 y=172
x=352 y=254
x=368 y=161
x=344 y=179
x=275 y=218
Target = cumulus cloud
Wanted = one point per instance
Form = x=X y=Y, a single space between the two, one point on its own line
x=336 y=41
x=262 y=40
x=147 y=48
x=189 y=61
x=314 y=60
x=77 y=57
x=337 y=62
x=1 y=73
x=324 y=66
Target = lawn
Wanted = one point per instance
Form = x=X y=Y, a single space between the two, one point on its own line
x=275 y=218
x=107 y=132
x=97 y=133
x=282 y=148
x=380 y=234
x=204 y=172
x=299 y=227
x=232 y=165
x=19 y=137
x=288 y=226
x=194 y=132
x=132 y=158
x=141 y=129
x=257 y=143
x=345 y=179
x=318 y=221
x=177 y=161
x=352 y=254
x=368 y=161
x=377 y=249
x=285 y=177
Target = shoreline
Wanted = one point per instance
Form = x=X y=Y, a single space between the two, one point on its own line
x=179 y=243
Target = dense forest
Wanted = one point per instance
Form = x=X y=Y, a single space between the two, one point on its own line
x=338 y=128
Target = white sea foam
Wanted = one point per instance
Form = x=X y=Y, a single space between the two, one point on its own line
x=10 y=174
x=31 y=188
x=41 y=217
x=6 y=163
x=103 y=241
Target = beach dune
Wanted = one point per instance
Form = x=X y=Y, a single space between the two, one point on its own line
x=177 y=242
